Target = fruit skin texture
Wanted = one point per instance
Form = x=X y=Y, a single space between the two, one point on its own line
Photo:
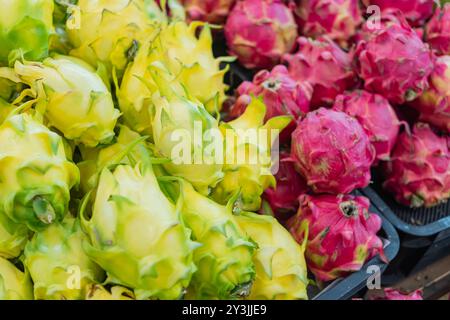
x=108 y=31
x=14 y=284
x=13 y=237
x=332 y=152
x=419 y=171
x=338 y=19
x=280 y=265
x=35 y=173
x=281 y=94
x=224 y=257
x=26 y=27
x=74 y=98
x=186 y=63
x=55 y=257
x=342 y=234
x=323 y=64
x=259 y=32
x=212 y=11
x=132 y=226
x=395 y=63
x=98 y=292
x=416 y=11
x=376 y=116
x=179 y=125
x=434 y=103
x=283 y=198
x=249 y=146
x=438 y=30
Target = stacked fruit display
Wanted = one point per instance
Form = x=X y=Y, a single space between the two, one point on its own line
x=124 y=176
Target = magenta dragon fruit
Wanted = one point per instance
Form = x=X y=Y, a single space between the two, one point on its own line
x=342 y=234
x=323 y=64
x=338 y=19
x=438 y=30
x=419 y=171
x=259 y=32
x=376 y=116
x=434 y=103
x=395 y=63
x=332 y=152
x=283 y=199
x=416 y=11
x=212 y=11
x=393 y=294
x=282 y=95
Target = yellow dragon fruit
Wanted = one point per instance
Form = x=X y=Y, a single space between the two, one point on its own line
x=99 y=292
x=59 y=267
x=14 y=284
x=35 y=175
x=13 y=237
x=188 y=63
x=74 y=98
x=5 y=110
x=25 y=29
x=107 y=32
x=224 y=259
x=248 y=158
x=137 y=236
x=185 y=133
x=280 y=265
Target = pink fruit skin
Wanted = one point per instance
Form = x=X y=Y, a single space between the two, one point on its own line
x=434 y=103
x=259 y=32
x=290 y=185
x=395 y=63
x=376 y=116
x=212 y=11
x=416 y=11
x=342 y=234
x=438 y=30
x=281 y=94
x=392 y=294
x=338 y=19
x=323 y=64
x=419 y=171
x=332 y=152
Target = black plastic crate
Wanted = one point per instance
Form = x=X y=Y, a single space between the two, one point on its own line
x=346 y=288
x=418 y=222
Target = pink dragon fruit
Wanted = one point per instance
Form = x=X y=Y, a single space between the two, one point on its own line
x=376 y=116
x=283 y=199
x=342 y=234
x=416 y=11
x=338 y=19
x=212 y=11
x=393 y=294
x=323 y=64
x=259 y=32
x=438 y=30
x=395 y=63
x=332 y=152
x=434 y=103
x=419 y=171
x=282 y=95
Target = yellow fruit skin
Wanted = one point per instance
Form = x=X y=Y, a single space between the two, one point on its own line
x=98 y=292
x=14 y=284
x=57 y=263
x=35 y=174
x=281 y=272
x=248 y=163
x=73 y=98
x=137 y=236
x=107 y=30
x=13 y=237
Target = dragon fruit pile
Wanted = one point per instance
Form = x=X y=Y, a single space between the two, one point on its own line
x=132 y=170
